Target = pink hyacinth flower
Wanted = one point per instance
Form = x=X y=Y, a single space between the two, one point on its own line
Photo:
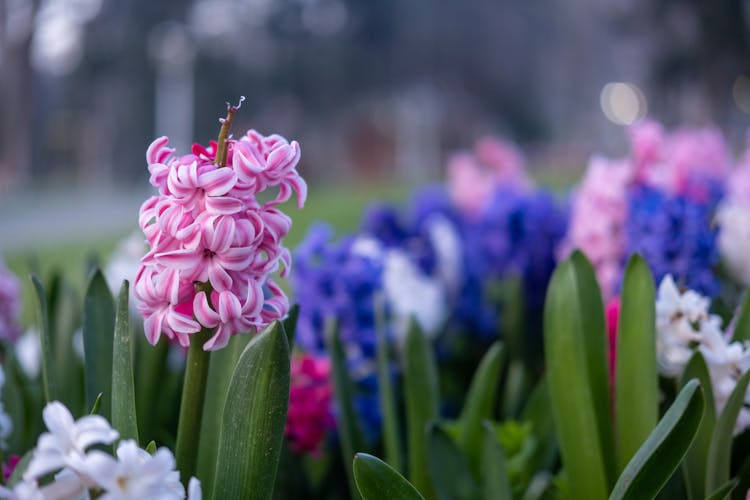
x=230 y=316
x=310 y=415
x=10 y=305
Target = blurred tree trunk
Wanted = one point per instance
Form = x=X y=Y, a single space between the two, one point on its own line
x=16 y=93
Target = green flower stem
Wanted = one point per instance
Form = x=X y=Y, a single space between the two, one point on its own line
x=191 y=406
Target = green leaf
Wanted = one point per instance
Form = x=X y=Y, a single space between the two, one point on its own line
x=21 y=466
x=48 y=383
x=724 y=491
x=220 y=370
x=656 y=460
x=391 y=437
x=448 y=467
x=98 y=336
x=720 y=451
x=576 y=358
x=695 y=464
x=515 y=390
x=377 y=480
x=742 y=325
x=636 y=379
x=422 y=398
x=290 y=325
x=252 y=429
x=537 y=412
x=123 y=385
x=478 y=405
x=151 y=447
x=349 y=430
x=97 y=404
x=495 y=480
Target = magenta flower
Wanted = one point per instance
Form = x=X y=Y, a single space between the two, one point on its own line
x=213 y=244
x=10 y=305
x=310 y=395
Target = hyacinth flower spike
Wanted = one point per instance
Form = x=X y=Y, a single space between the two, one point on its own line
x=213 y=248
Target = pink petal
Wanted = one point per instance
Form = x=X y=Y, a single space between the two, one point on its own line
x=223 y=205
x=181 y=323
x=179 y=259
x=223 y=235
x=203 y=312
x=152 y=327
x=300 y=187
x=237 y=258
x=219 y=340
x=218 y=182
x=229 y=307
x=218 y=276
x=158 y=151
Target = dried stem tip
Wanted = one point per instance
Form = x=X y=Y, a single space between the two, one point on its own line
x=226 y=124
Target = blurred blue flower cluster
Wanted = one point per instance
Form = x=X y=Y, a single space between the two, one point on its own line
x=676 y=235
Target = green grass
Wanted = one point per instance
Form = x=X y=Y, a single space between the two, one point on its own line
x=340 y=206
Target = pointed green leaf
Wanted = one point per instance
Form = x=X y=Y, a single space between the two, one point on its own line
x=450 y=471
x=391 y=437
x=377 y=480
x=123 y=384
x=97 y=404
x=742 y=325
x=661 y=453
x=151 y=448
x=252 y=429
x=48 y=383
x=575 y=355
x=21 y=466
x=98 y=335
x=596 y=353
x=478 y=405
x=515 y=391
x=495 y=480
x=537 y=412
x=724 y=491
x=290 y=325
x=422 y=398
x=720 y=451
x=350 y=433
x=220 y=370
x=636 y=379
x=695 y=464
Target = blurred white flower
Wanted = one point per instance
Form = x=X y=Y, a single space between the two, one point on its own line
x=194 y=489
x=67 y=485
x=29 y=353
x=447 y=244
x=123 y=263
x=66 y=442
x=734 y=239
x=135 y=474
x=410 y=293
x=679 y=318
x=6 y=424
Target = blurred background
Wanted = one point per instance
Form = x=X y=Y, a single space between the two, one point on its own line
x=377 y=92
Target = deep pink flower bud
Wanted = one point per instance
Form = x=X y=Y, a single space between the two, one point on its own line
x=310 y=415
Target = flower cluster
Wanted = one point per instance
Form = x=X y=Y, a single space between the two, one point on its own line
x=660 y=201
x=310 y=394
x=10 y=305
x=66 y=451
x=684 y=325
x=213 y=244
x=474 y=176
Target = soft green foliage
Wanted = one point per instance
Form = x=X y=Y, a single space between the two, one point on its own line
x=636 y=379
x=479 y=405
x=575 y=352
x=391 y=437
x=98 y=325
x=696 y=461
x=123 y=384
x=254 y=416
x=742 y=325
x=495 y=481
x=377 y=480
x=449 y=469
x=720 y=450
x=422 y=398
x=655 y=461
x=350 y=432
x=220 y=370
x=724 y=491
x=49 y=384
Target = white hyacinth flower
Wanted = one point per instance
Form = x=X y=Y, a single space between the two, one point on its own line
x=734 y=239
x=67 y=485
x=135 y=474
x=67 y=440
